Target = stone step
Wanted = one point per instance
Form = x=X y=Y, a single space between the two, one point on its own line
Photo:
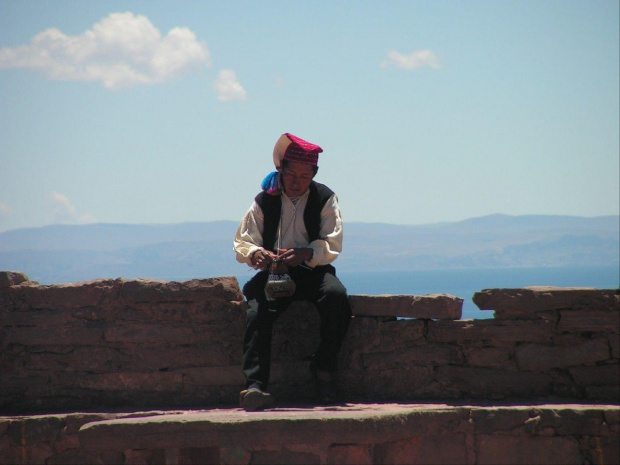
x=367 y=433
x=483 y=432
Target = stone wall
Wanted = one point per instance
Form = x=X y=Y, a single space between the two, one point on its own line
x=146 y=343
x=124 y=345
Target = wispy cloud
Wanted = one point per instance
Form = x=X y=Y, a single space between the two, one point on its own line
x=5 y=210
x=64 y=211
x=121 y=50
x=413 y=60
x=228 y=87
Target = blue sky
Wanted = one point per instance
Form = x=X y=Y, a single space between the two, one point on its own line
x=427 y=111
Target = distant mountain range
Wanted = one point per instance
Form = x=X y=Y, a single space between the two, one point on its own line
x=67 y=253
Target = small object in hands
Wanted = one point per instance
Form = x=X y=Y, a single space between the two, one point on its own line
x=279 y=284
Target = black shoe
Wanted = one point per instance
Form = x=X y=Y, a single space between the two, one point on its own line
x=325 y=385
x=254 y=399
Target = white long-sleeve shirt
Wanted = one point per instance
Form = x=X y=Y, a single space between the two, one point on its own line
x=292 y=231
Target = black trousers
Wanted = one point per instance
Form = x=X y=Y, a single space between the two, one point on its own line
x=319 y=286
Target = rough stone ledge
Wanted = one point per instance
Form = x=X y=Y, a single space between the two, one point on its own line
x=20 y=294
x=434 y=432
x=348 y=423
x=12 y=278
x=430 y=306
x=119 y=292
x=372 y=433
x=535 y=301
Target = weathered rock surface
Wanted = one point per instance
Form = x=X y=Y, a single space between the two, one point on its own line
x=346 y=434
x=12 y=278
x=145 y=343
x=150 y=343
x=431 y=306
x=536 y=301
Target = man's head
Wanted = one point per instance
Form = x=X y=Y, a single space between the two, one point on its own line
x=296 y=177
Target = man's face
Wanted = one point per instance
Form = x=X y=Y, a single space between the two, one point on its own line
x=296 y=178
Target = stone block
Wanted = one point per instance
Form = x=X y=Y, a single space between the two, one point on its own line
x=509 y=450
x=56 y=336
x=550 y=315
x=93 y=359
x=589 y=320
x=380 y=384
x=495 y=420
x=87 y=294
x=284 y=455
x=12 y=278
x=8 y=455
x=24 y=383
x=35 y=454
x=190 y=455
x=175 y=357
x=124 y=381
x=610 y=452
x=198 y=312
x=544 y=357
x=572 y=421
x=153 y=295
x=424 y=449
x=543 y=299
x=45 y=317
x=494 y=384
x=213 y=376
x=426 y=354
x=232 y=455
x=608 y=393
x=397 y=334
x=78 y=457
x=367 y=329
x=614 y=343
x=360 y=454
x=431 y=306
x=596 y=375
x=498 y=331
x=139 y=457
x=612 y=417
x=35 y=429
x=152 y=332
x=135 y=291
x=490 y=357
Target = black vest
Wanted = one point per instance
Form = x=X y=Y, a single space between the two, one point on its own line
x=271 y=205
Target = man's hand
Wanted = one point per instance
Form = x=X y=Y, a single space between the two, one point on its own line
x=295 y=257
x=261 y=259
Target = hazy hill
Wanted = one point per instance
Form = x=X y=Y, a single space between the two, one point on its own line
x=64 y=253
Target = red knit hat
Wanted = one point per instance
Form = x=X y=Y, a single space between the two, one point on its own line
x=293 y=148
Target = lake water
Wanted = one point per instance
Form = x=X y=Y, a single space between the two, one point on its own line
x=464 y=283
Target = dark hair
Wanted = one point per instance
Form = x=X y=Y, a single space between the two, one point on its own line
x=284 y=163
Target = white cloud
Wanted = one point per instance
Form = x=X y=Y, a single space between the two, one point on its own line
x=413 y=60
x=65 y=212
x=228 y=87
x=5 y=210
x=121 y=50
